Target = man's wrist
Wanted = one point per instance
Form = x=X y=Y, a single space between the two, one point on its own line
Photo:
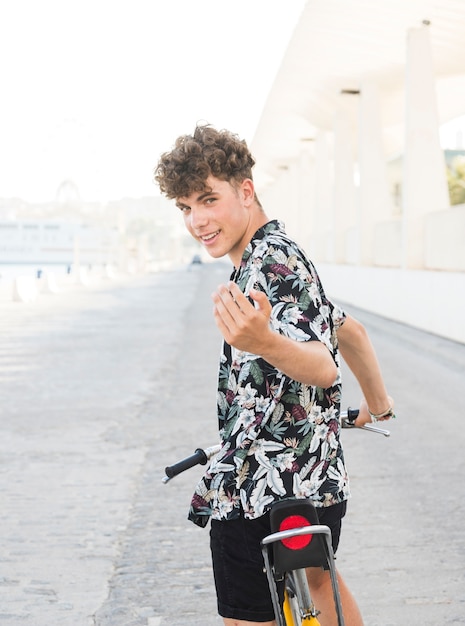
x=387 y=414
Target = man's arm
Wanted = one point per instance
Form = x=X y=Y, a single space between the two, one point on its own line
x=358 y=352
x=247 y=327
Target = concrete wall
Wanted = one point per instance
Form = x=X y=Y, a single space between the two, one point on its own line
x=431 y=300
x=444 y=243
x=442 y=234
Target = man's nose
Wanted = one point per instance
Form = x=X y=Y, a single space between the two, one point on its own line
x=198 y=217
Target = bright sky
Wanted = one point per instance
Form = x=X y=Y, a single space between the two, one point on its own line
x=95 y=90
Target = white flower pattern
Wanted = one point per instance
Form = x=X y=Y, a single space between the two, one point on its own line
x=280 y=438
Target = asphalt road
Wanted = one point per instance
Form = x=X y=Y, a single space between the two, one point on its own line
x=102 y=387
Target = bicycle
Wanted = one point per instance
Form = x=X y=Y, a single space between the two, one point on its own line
x=297 y=541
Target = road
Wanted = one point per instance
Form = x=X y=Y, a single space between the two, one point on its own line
x=102 y=387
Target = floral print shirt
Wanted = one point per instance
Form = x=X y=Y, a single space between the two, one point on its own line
x=279 y=437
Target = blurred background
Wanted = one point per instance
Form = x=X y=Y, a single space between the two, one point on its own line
x=354 y=111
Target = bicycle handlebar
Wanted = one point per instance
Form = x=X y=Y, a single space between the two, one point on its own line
x=348 y=421
x=201 y=457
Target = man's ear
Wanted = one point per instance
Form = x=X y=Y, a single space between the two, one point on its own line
x=248 y=190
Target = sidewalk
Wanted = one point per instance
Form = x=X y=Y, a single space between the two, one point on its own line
x=91 y=413
x=102 y=388
x=164 y=571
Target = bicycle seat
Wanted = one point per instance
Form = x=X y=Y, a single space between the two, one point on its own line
x=309 y=550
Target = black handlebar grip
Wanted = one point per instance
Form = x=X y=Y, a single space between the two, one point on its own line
x=352 y=415
x=198 y=458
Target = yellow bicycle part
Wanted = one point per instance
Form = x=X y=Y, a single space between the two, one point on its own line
x=289 y=617
x=310 y=621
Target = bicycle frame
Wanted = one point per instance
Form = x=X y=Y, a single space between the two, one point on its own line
x=298 y=608
x=308 y=614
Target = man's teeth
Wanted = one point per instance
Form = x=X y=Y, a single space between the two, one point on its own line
x=208 y=237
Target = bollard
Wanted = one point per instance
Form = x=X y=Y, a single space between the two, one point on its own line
x=25 y=289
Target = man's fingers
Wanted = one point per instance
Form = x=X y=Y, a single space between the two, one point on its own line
x=261 y=299
x=238 y=297
x=231 y=298
x=226 y=307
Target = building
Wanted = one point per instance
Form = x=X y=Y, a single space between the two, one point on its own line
x=360 y=84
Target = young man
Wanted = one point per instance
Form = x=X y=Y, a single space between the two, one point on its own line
x=279 y=383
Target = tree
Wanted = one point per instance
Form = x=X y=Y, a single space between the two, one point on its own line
x=456 y=180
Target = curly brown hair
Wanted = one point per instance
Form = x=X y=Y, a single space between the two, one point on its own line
x=207 y=152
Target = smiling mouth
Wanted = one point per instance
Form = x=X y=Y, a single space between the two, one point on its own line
x=207 y=238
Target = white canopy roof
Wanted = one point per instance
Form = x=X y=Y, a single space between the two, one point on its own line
x=339 y=44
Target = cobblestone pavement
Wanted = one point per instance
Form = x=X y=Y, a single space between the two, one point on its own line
x=102 y=387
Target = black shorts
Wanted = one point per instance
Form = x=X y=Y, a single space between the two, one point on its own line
x=240 y=579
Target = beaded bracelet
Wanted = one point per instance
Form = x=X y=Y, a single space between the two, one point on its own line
x=388 y=413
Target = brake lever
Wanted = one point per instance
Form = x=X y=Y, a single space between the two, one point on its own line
x=347 y=423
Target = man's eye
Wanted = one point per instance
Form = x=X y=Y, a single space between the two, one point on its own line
x=184 y=209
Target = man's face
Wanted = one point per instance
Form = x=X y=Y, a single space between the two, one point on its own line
x=220 y=217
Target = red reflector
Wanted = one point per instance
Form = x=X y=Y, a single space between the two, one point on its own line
x=295 y=521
